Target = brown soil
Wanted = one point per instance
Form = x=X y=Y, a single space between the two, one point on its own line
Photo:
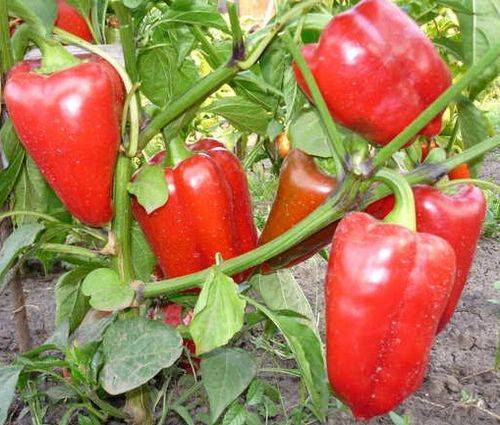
x=461 y=386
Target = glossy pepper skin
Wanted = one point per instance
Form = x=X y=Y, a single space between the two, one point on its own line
x=302 y=188
x=69 y=123
x=386 y=289
x=208 y=212
x=457 y=218
x=69 y=19
x=376 y=70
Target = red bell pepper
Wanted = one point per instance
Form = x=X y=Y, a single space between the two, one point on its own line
x=69 y=122
x=208 y=211
x=461 y=172
x=376 y=70
x=457 y=218
x=302 y=188
x=69 y=19
x=386 y=290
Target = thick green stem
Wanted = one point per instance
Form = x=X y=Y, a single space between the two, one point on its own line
x=331 y=210
x=127 y=38
x=238 y=44
x=336 y=142
x=403 y=212
x=436 y=107
x=54 y=56
x=219 y=77
x=121 y=226
x=177 y=151
x=324 y=215
x=6 y=58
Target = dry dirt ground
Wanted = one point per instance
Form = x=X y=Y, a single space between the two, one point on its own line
x=461 y=386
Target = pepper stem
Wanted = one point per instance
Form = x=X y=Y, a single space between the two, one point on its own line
x=54 y=56
x=177 y=151
x=403 y=212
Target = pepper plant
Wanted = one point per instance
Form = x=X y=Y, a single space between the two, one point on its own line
x=165 y=273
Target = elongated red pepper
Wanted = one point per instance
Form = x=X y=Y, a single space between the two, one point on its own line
x=457 y=218
x=69 y=19
x=208 y=211
x=386 y=290
x=69 y=122
x=302 y=188
x=377 y=71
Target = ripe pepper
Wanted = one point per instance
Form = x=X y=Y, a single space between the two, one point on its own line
x=376 y=70
x=386 y=289
x=302 y=188
x=208 y=211
x=457 y=218
x=69 y=19
x=69 y=123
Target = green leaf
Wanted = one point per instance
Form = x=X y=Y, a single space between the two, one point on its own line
x=92 y=328
x=243 y=114
x=32 y=193
x=183 y=413
x=255 y=393
x=40 y=15
x=293 y=95
x=480 y=31
x=135 y=350
x=106 y=292
x=133 y=4
x=143 y=259
x=225 y=374
x=8 y=377
x=235 y=415
x=473 y=128
x=150 y=188
x=71 y=303
x=10 y=175
x=20 y=239
x=306 y=133
x=190 y=12
x=162 y=78
x=218 y=314
x=307 y=349
x=83 y=6
x=280 y=291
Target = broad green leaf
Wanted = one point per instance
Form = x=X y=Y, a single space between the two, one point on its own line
x=32 y=193
x=190 y=12
x=83 y=6
x=59 y=339
x=38 y=14
x=235 y=415
x=161 y=77
x=106 y=292
x=135 y=350
x=218 y=314
x=307 y=349
x=280 y=291
x=243 y=114
x=480 y=30
x=71 y=303
x=225 y=374
x=9 y=176
x=473 y=127
x=150 y=188
x=133 y=4
x=92 y=328
x=8 y=377
x=20 y=239
x=293 y=95
x=306 y=133
x=143 y=259
x=452 y=46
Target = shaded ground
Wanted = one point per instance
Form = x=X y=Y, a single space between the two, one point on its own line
x=461 y=386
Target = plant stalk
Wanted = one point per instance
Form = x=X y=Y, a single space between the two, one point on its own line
x=6 y=58
x=332 y=210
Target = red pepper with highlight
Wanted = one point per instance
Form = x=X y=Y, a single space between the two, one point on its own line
x=69 y=123
x=456 y=217
x=208 y=210
x=377 y=71
x=386 y=290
